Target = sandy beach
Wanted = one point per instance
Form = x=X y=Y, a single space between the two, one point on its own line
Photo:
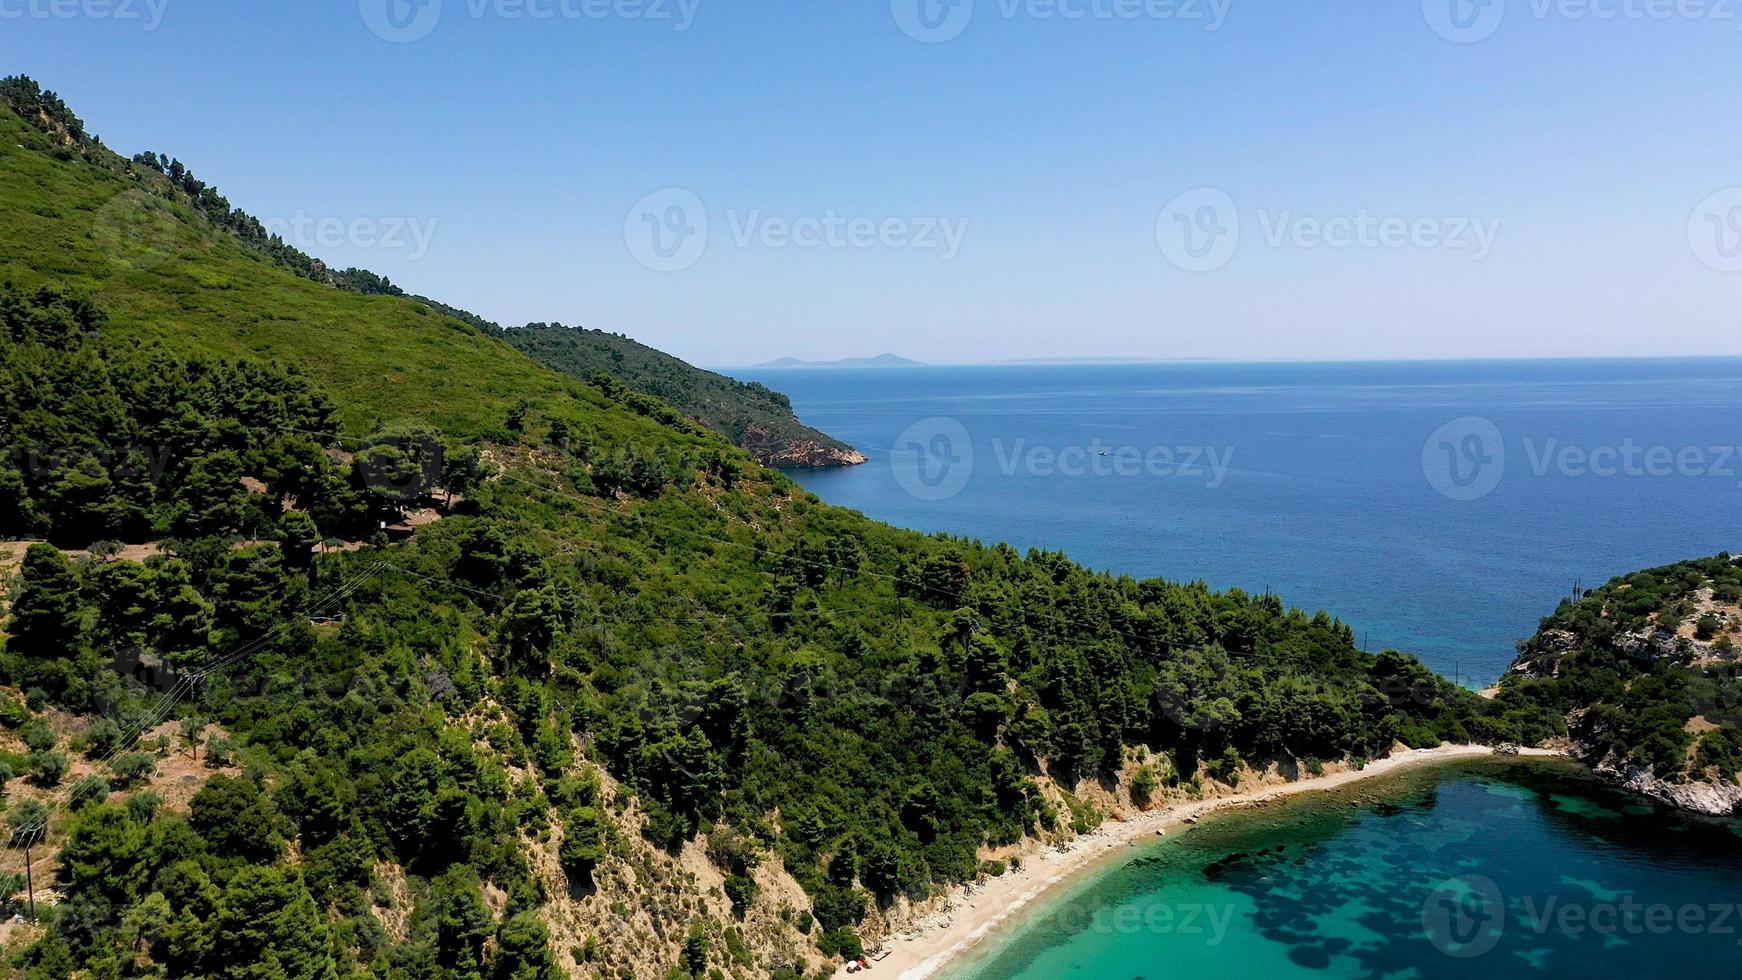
x=996 y=903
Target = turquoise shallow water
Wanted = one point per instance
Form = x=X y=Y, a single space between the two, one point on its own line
x=1326 y=496
x=1493 y=870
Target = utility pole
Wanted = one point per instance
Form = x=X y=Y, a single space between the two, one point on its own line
x=29 y=873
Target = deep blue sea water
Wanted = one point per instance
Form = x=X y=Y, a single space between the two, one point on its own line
x=1479 y=870
x=1440 y=508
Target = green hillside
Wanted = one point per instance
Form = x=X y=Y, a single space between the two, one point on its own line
x=1644 y=672
x=753 y=416
x=630 y=705
x=81 y=217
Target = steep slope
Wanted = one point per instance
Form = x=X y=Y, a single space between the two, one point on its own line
x=1644 y=676
x=753 y=416
x=632 y=704
x=81 y=217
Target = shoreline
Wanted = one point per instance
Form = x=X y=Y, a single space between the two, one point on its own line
x=986 y=910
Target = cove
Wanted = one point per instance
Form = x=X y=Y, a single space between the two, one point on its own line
x=1492 y=868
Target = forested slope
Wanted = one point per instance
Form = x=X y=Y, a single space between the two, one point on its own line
x=753 y=416
x=1643 y=676
x=626 y=702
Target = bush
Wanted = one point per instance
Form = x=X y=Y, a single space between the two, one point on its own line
x=90 y=790
x=37 y=735
x=1225 y=768
x=841 y=942
x=102 y=738
x=1707 y=627
x=1144 y=784
x=220 y=752
x=741 y=892
x=142 y=807
x=47 y=769
x=584 y=836
x=133 y=768
x=13 y=713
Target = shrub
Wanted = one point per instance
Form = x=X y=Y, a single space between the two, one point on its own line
x=1225 y=768
x=1144 y=784
x=37 y=735
x=102 y=738
x=13 y=713
x=1707 y=627
x=134 y=767
x=47 y=769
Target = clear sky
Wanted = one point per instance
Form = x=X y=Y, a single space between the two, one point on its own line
x=990 y=179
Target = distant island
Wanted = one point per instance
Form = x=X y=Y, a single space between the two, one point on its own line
x=881 y=360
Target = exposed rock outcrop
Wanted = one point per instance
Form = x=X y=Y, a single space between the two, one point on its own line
x=796 y=454
x=1713 y=799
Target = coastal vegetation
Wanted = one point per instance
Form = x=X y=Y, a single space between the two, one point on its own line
x=752 y=415
x=1643 y=674
x=495 y=671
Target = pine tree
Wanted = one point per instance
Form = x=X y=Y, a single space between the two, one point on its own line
x=45 y=619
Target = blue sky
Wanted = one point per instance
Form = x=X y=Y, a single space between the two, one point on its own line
x=735 y=182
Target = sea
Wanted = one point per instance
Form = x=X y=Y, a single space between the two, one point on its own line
x=1438 y=508
x=1442 y=508
x=1496 y=870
